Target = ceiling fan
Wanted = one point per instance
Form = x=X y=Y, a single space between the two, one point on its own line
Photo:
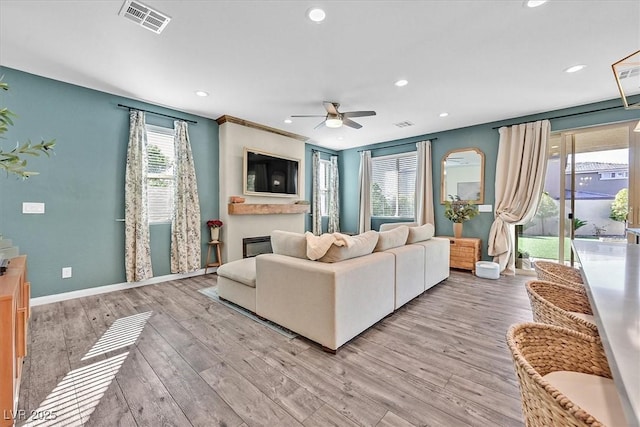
x=335 y=119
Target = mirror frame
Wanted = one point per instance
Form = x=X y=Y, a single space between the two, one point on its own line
x=443 y=191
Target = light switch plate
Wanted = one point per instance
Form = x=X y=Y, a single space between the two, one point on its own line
x=67 y=272
x=32 y=208
x=485 y=208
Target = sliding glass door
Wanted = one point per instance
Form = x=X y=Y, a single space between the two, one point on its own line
x=591 y=192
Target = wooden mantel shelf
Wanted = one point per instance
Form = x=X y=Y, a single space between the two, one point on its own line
x=266 y=209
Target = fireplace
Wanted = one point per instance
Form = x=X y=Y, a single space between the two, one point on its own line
x=254 y=246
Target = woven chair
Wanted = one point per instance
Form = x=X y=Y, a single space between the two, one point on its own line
x=564 y=377
x=558 y=273
x=561 y=306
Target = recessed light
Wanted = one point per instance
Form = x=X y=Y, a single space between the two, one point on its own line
x=287 y=121
x=575 y=68
x=444 y=114
x=202 y=93
x=534 y=3
x=340 y=138
x=401 y=82
x=316 y=14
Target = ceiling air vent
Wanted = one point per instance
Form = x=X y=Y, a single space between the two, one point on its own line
x=404 y=124
x=144 y=16
x=629 y=72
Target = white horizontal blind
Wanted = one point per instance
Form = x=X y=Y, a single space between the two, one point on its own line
x=393 y=182
x=160 y=174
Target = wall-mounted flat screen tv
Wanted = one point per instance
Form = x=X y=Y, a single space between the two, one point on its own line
x=267 y=174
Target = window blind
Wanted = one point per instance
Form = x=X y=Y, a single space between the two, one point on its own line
x=160 y=174
x=393 y=181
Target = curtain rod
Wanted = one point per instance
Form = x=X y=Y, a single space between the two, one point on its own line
x=398 y=145
x=157 y=114
x=567 y=115
x=325 y=152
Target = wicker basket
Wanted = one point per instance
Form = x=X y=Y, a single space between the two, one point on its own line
x=555 y=304
x=539 y=349
x=558 y=273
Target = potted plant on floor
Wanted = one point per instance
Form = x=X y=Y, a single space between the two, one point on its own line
x=458 y=211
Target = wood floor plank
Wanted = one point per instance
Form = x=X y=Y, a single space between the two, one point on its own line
x=439 y=360
x=392 y=420
x=200 y=404
x=150 y=402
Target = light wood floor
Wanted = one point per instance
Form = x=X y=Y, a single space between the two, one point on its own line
x=441 y=360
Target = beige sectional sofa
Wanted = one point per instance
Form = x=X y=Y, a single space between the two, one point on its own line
x=332 y=302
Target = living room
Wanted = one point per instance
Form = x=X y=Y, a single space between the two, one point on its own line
x=82 y=188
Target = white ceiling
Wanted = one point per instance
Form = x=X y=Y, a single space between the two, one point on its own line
x=478 y=60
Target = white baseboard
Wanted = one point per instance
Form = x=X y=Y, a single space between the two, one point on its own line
x=48 y=299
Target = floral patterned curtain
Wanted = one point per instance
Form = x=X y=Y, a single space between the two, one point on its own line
x=137 y=252
x=185 y=228
x=334 y=199
x=316 y=214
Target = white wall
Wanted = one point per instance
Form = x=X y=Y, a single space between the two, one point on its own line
x=233 y=139
x=456 y=174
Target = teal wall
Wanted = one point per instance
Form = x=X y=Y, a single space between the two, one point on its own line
x=482 y=136
x=82 y=185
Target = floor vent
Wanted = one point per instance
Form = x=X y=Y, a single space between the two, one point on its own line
x=404 y=124
x=144 y=16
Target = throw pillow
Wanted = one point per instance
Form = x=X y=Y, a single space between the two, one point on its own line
x=392 y=239
x=391 y=225
x=420 y=233
x=360 y=245
x=289 y=243
x=317 y=246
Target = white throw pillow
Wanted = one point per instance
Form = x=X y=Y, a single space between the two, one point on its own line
x=392 y=238
x=420 y=233
x=360 y=245
x=289 y=243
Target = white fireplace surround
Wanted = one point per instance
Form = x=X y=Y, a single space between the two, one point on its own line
x=233 y=138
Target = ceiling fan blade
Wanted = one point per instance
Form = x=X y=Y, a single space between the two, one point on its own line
x=313 y=115
x=319 y=125
x=331 y=107
x=358 y=113
x=351 y=123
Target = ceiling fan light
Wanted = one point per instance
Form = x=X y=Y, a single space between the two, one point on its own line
x=316 y=14
x=333 y=123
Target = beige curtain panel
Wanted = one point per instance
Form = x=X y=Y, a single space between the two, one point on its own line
x=520 y=172
x=137 y=252
x=424 y=185
x=186 y=226
x=364 y=183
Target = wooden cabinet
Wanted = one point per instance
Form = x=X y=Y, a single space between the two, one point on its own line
x=465 y=252
x=15 y=293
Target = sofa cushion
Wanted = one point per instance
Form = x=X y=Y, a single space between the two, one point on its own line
x=242 y=271
x=391 y=225
x=356 y=246
x=288 y=243
x=420 y=233
x=392 y=239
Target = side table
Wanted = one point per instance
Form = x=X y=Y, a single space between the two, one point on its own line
x=218 y=263
x=465 y=252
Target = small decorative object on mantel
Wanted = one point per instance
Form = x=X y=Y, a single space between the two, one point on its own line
x=236 y=199
x=458 y=211
x=214 y=226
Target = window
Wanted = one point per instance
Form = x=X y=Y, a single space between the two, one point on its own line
x=160 y=174
x=614 y=175
x=323 y=177
x=393 y=181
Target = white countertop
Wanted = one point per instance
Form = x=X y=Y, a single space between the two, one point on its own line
x=612 y=273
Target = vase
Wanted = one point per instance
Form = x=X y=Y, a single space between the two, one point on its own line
x=215 y=233
x=457 y=230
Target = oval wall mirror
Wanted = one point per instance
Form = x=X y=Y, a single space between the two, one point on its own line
x=463 y=175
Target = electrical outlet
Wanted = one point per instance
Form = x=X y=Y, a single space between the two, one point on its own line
x=32 y=208
x=485 y=208
x=66 y=272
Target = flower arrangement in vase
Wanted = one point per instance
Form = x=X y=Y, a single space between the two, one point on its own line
x=458 y=211
x=214 y=226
